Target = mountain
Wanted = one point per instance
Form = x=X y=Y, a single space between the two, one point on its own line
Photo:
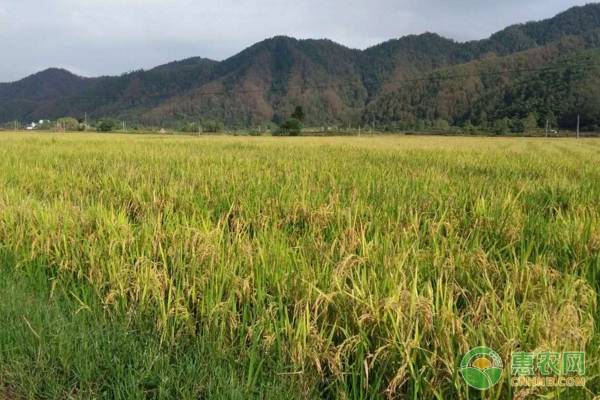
x=266 y=81
x=52 y=82
x=403 y=82
x=555 y=82
x=40 y=94
x=54 y=92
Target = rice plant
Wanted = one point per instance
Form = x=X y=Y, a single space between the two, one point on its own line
x=351 y=268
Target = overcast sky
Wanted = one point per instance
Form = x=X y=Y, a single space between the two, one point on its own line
x=95 y=37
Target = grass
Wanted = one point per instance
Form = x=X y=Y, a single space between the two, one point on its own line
x=51 y=348
x=353 y=268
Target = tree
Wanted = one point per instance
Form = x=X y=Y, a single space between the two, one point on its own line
x=290 y=127
x=441 y=125
x=502 y=126
x=530 y=123
x=45 y=125
x=67 y=124
x=468 y=127
x=299 y=114
x=12 y=125
x=551 y=120
x=483 y=120
x=106 y=125
x=212 y=126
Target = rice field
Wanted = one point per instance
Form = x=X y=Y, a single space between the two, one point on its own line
x=251 y=267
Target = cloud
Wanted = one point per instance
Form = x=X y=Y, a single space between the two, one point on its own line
x=114 y=36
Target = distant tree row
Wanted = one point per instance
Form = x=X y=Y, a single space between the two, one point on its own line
x=530 y=124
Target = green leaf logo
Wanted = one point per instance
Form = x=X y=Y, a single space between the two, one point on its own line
x=481 y=368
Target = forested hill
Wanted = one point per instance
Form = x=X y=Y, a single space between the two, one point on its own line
x=545 y=70
x=554 y=83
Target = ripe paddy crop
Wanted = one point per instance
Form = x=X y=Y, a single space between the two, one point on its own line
x=232 y=267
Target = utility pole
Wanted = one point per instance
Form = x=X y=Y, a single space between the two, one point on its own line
x=124 y=127
x=547 y=126
x=15 y=126
x=85 y=123
x=578 y=120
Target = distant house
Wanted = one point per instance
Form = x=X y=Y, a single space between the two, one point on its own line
x=31 y=126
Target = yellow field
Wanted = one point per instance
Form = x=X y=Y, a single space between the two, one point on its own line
x=360 y=267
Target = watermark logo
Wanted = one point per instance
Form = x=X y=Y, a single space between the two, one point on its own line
x=481 y=368
x=548 y=369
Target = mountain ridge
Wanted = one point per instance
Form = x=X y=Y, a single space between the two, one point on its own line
x=518 y=26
